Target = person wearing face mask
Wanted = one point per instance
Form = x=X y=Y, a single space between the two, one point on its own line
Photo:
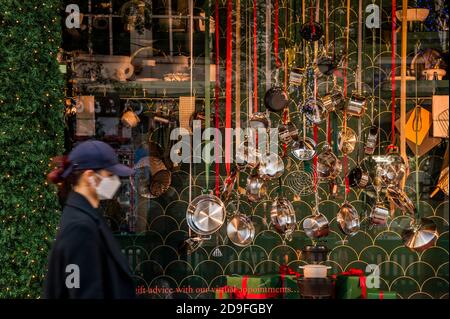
x=85 y=261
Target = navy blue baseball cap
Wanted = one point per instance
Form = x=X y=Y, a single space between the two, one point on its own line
x=95 y=155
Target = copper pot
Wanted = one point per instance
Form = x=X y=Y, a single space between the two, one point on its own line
x=379 y=214
x=347 y=140
x=316 y=226
x=328 y=165
x=333 y=101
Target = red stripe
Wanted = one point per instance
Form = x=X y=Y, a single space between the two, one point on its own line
x=255 y=59
x=217 y=93
x=275 y=35
x=229 y=79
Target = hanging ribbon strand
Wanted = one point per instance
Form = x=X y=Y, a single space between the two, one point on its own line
x=255 y=58
x=229 y=82
x=217 y=93
x=394 y=49
x=275 y=35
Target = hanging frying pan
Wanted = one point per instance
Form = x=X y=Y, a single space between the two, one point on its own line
x=419 y=237
x=276 y=99
x=348 y=219
x=347 y=140
x=240 y=229
x=311 y=31
x=205 y=214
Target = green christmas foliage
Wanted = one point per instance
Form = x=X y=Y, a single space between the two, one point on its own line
x=31 y=132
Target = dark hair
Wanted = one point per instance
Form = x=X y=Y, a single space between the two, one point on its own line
x=65 y=184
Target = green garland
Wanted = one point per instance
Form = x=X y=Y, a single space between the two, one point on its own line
x=31 y=132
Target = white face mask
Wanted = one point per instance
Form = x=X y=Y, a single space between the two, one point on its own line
x=107 y=187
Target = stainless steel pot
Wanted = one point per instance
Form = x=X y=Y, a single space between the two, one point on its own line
x=314 y=254
x=347 y=140
x=283 y=217
x=316 y=226
x=304 y=149
x=379 y=214
x=358 y=177
x=205 y=214
x=240 y=230
x=391 y=168
x=271 y=166
x=328 y=165
x=348 y=219
x=419 y=237
x=399 y=198
x=371 y=141
x=314 y=110
x=356 y=105
x=287 y=132
x=256 y=188
x=259 y=120
x=247 y=155
x=333 y=101
x=276 y=99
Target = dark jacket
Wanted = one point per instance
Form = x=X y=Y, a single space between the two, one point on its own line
x=85 y=240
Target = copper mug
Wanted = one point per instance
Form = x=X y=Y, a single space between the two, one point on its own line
x=130 y=118
x=356 y=105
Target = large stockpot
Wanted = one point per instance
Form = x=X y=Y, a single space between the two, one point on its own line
x=282 y=215
x=314 y=254
x=205 y=214
x=348 y=219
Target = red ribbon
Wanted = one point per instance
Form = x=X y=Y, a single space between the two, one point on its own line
x=287 y=271
x=242 y=293
x=362 y=279
x=229 y=80
x=275 y=34
x=316 y=136
x=255 y=59
x=217 y=92
x=394 y=49
x=381 y=295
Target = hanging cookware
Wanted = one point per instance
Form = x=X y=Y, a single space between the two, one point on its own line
x=129 y=117
x=348 y=219
x=276 y=99
x=328 y=165
x=256 y=188
x=347 y=140
x=333 y=101
x=419 y=237
x=259 y=120
x=287 y=132
x=228 y=185
x=358 y=177
x=283 y=217
x=271 y=166
x=371 y=141
x=315 y=271
x=151 y=177
x=304 y=149
x=391 y=168
x=400 y=199
x=314 y=254
x=316 y=226
x=326 y=65
x=311 y=31
x=205 y=214
x=379 y=214
x=356 y=105
x=190 y=245
x=442 y=184
x=247 y=155
x=240 y=230
x=314 y=110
